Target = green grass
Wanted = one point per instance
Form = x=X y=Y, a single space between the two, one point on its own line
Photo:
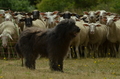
x=101 y=68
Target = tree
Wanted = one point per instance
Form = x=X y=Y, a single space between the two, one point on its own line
x=51 y=5
x=16 y=5
x=4 y=4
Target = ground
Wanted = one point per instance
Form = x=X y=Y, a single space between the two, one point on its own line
x=90 y=68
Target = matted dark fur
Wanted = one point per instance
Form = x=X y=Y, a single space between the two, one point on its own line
x=52 y=43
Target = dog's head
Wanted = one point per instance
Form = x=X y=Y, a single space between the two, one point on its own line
x=67 y=28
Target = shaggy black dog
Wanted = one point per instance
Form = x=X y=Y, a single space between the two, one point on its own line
x=52 y=43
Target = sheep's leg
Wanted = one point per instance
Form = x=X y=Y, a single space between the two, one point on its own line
x=5 y=52
x=8 y=52
x=77 y=52
x=119 y=51
x=81 y=51
x=68 y=54
x=96 y=51
x=85 y=52
x=115 y=51
x=89 y=51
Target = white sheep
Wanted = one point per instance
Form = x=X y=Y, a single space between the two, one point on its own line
x=113 y=35
x=97 y=36
x=81 y=39
x=8 y=30
x=92 y=16
x=29 y=22
x=39 y=23
x=18 y=22
x=50 y=18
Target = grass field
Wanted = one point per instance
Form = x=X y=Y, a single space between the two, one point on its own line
x=101 y=68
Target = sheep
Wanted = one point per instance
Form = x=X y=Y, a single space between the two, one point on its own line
x=113 y=25
x=29 y=22
x=8 y=17
x=17 y=21
x=80 y=40
x=39 y=23
x=50 y=18
x=51 y=21
x=92 y=16
x=2 y=12
x=8 y=30
x=85 y=18
x=97 y=36
x=38 y=19
x=102 y=13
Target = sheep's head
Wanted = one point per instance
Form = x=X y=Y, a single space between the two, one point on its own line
x=4 y=38
x=110 y=19
x=8 y=17
x=92 y=15
x=92 y=27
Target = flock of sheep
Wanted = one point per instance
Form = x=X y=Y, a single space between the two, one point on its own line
x=98 y=37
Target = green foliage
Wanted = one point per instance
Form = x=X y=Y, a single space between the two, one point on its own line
x=51 y=5
x=108 y=5
x=4 y=4
x=85 y=3
x=61 y=5
x=115 y=6
x=16 y=5
x=79 y=5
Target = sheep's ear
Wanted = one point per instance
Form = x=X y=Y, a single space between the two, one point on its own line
x=60 y=14
x=10 y=36
x=86 y=13
x=55 y=12
x=42 y=13
x=1 y=15
x=15 y=17
x=85 y=24
x=97 y=13
x=46 y=17
x=98 y=25
x=77 y=19
x=104 y=19
x=116 y=18
x=108 y=13
x=57 y=21
x=1 y=35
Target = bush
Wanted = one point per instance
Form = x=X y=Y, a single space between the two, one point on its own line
x=111 y=6
x=17 y=5
x=52 y=5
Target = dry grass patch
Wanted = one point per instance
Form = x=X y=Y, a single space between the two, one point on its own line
x=101 y=68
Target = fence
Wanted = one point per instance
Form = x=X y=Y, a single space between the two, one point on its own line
x=9 y=52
